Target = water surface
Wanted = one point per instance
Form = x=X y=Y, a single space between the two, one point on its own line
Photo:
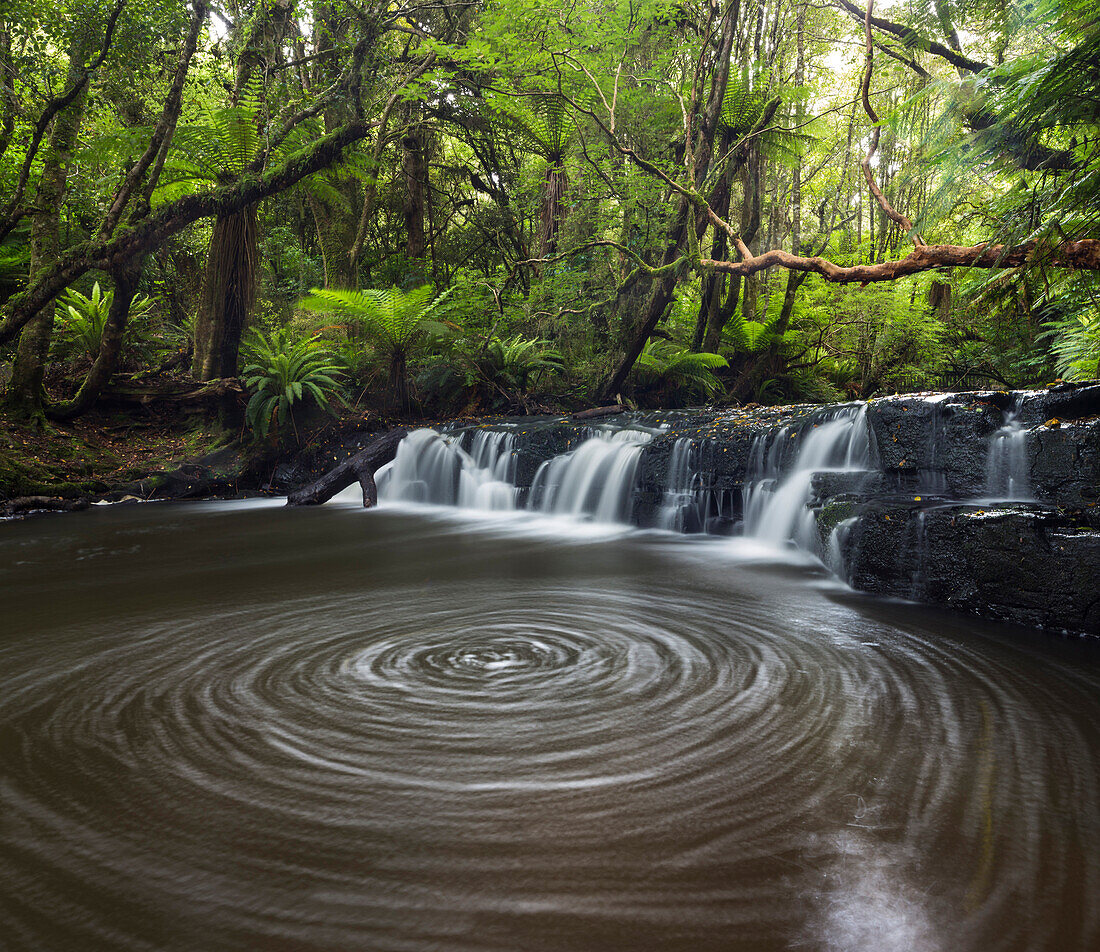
x=244 y=727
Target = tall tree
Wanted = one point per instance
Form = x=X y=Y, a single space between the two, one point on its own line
x=230 y=283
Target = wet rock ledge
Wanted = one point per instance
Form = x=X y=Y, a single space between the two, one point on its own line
x=985 y=502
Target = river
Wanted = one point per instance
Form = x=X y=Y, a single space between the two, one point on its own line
x=231 y=726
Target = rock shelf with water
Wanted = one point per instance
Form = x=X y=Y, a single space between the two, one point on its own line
x=983 y=502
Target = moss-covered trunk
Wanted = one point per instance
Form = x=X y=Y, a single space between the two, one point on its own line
x=230 y=283
x=25 y=395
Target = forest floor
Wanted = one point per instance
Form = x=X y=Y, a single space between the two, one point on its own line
x=165 y=451
x=100 y=450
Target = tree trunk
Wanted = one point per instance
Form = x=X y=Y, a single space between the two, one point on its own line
x=551 y=213
x=228 y=292
x=416 y=145
x=335 y=226
x=794 y=278
x=714 y=284
x=25 y=395
x=400 y=399
x=230 y=284
x=701 y=138
x=750 y=225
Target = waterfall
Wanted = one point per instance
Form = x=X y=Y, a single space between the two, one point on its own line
x=476 y=469
x=595 y=480
x=684 y=503
x=432 y=468
x=1006 y=472
x=776 y=506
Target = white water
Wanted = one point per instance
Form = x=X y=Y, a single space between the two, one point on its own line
x=777 y=506
x=684 y=504
x=1006 y=474
x=595 y=481
x=431 y=468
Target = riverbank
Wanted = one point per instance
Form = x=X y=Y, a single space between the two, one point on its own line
x=151 y=453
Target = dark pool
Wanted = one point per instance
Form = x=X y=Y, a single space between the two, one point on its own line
x=237 y=726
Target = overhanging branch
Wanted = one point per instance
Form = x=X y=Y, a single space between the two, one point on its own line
x=1083 y=255
x=153 y=231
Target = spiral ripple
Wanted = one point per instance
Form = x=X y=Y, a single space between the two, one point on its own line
x=586 y=760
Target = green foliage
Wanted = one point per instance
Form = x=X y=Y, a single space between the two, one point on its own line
x=673 y=373
x=285 y=372
x=398 y=321
x=82 y=318
x=488 y=373
x=212 y=151
x=749 y=336
x=508 y=366
x=1072 y=330
x=526 y=108
x=1076 y=346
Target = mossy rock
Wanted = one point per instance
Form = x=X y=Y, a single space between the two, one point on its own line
x=833 y=513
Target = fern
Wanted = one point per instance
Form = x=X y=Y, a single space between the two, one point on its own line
x=510 y=364
x=285 y=372
x=82 y=318
x=670 y=369
x=749 y=337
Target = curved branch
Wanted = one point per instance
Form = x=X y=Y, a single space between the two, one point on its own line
x=151 y=232
x=880 y=197
x=376 y=155
x=1083 y=255
x=162 y=135
x=912 y=39
x=7 y=89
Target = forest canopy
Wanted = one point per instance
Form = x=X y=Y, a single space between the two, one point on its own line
x=496 y=205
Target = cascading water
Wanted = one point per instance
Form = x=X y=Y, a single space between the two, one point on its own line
x=1007 y=476
x=431 y=468
x=684 y=504
x=776 y=507
x=596 y=479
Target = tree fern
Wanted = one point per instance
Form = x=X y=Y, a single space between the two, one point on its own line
x=82 y=318
x=749 y=337
x=670 y=370
x=399 y=321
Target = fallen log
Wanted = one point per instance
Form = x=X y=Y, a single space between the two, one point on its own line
x=359 y=468
x=184 y=392
x=22 y=504
x=598 y=412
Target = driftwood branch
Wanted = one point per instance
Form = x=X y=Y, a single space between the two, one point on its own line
x=359 y=468
x=23 y=504
x=597 y=412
